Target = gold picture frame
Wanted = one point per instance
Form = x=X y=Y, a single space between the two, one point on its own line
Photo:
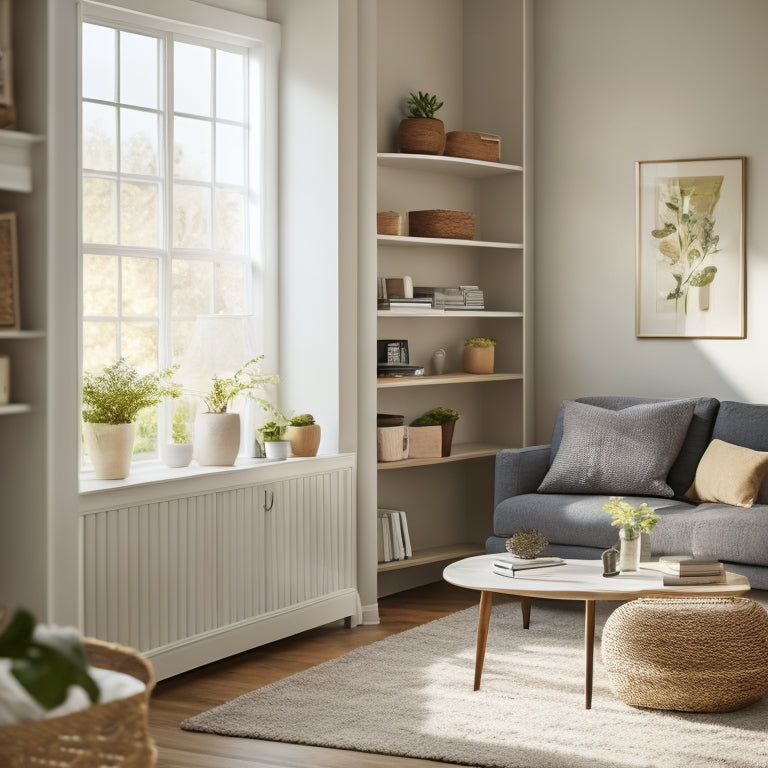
x=690 y=229
x=10 y=317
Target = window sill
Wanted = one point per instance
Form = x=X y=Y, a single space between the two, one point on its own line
x=153 y=480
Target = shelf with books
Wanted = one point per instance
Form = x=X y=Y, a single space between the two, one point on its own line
x=409 y=313
x=407 y=241
x=459 y=452
x=434 y=555
x=454 y=166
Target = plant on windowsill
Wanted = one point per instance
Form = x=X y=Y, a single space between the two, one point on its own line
x=421 y=132
x=112 y=401
x=178 y=452
x=217 y=431
x=304 y=435
x=632 y=523
x=446 y=419
x=272 y=433
x=478 y=356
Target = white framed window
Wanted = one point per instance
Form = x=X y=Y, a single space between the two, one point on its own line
x=178 y=190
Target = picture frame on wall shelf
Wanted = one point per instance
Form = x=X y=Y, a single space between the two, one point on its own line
x=690 y=229
x=10 y=316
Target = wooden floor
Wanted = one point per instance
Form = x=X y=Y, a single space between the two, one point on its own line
x=201 y=689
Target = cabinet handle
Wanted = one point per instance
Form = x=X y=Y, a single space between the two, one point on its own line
x=269 y=500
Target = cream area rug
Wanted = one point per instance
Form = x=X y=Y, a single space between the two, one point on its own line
x=411 y=695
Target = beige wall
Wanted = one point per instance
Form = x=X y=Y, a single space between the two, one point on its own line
x=618 y=81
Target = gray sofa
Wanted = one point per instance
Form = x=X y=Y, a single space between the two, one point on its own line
x=577 y=526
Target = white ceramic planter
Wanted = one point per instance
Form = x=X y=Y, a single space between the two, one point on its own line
x=176 y=454
x=217 y=439
x=277 y=450
x=110 y=448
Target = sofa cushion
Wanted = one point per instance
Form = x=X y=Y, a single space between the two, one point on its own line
x=731 y=534
x=730 y=474
x=744 y=424
x=622 y=452
x=573 y=519
x=683 y=469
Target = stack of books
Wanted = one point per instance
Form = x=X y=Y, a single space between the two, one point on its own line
x=508 y=565
x=683 y=570
x=394 y=541
x=461 y=298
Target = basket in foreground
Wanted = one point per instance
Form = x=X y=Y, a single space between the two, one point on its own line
x=102 y=736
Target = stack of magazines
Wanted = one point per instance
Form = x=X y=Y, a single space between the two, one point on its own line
x=682 y=570
x=508 y=565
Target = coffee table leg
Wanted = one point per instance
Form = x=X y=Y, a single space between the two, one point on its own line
x=525 y=604
x=589 y=650
x=483 y=619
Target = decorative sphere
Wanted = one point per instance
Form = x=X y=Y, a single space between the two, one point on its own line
x=527 y=544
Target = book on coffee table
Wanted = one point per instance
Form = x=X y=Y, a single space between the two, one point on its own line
x=507 y=566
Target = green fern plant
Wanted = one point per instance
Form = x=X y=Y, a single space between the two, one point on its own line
x=245 y=380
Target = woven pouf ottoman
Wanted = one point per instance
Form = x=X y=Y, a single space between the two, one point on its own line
x=705 y=654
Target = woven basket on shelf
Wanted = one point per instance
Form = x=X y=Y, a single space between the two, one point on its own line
x=473 y=145
x=388 y=223
x=113 y=735
x=458 y=225
x=707 y=654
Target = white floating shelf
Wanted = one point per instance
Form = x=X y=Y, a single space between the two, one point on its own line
x=16 y=160
x=11 y=408
x=441 y=313
x=22 y=335
x=455 y=166
x=402 y=241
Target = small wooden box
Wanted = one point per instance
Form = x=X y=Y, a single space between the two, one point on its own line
x=458 y=225
x=388 y=223
x=474 y=145
x=425 y=442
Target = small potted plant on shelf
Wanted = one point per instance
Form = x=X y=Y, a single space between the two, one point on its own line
x=217 y=431
x=421 y=132
x=272 y=433
x=479 y=353
x=178 y=452
x=446 y=419
x=112 y=400
x=303 y=434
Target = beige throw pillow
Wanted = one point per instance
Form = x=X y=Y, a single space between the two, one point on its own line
x=729 y=474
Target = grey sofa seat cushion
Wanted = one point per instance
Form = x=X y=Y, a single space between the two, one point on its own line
x=699 y=433
x=746 y=425
x=574 y=519
x=624 y=452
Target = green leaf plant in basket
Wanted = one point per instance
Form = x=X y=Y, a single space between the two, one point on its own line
x=421 y=132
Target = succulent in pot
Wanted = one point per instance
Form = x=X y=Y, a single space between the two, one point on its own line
x=112 y=401
x=479 y=355
x=421 y=132
x=304 y=435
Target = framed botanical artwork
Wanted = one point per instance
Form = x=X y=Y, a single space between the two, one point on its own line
x=690 y=248
x=9 y=274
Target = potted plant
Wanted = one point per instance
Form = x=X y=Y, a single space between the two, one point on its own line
x=632 y=522
x=304 y=435
x=217 y=431
x=421 y=132
x=111 y=403
x=272 y=433
x=479 y=353
x=178 y=452
x=446 y=419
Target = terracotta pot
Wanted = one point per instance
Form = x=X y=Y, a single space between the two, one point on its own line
x=421 y=136
x=304 y=440
x=110 y=447
x=447 y=434
x=478 y=359
x=217 y=439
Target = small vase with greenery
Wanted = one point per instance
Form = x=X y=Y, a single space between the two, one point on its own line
x=446 y=418
x=632 y=523
x=273 y=433
x=421 y=132
x=178 y=452
x=479 y=355
x=303 y=434
x=112 y=401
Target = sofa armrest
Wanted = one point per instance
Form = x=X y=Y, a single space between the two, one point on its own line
x=519 y=470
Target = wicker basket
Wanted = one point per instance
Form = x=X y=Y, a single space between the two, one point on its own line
x=102 y=736
x=458 y=225
x=473 y=145
x=388 y=223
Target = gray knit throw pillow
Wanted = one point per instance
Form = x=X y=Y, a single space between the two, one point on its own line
x=626 y=452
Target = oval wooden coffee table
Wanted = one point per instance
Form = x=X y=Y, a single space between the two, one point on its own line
x=576 y=580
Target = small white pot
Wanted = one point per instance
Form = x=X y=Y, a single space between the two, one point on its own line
x=217 y=439
x=277 y=450
x=176 y=454
x=110 y=448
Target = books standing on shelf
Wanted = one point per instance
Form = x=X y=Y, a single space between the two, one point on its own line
x=683 y=570
x=394 y=541
x=509 y=565
x=461 y=298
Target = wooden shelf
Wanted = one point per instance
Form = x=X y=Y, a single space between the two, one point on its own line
x=455 y=166
x=11 y=408
x=404 y=240
x=16 y=160
x=441 y=313
x=459 y=452
x=446 y=378
x=434 y=555
x=22 y=335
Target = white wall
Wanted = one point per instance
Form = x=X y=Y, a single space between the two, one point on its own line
x=619 y=81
